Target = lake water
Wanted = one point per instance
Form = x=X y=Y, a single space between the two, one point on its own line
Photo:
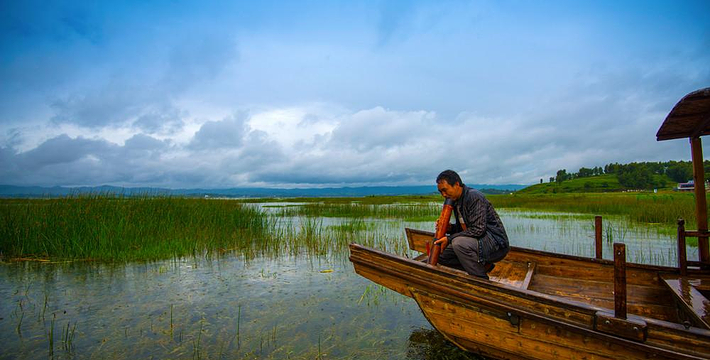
x=228 y=307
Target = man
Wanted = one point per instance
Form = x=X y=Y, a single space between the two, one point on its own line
x=478 y=238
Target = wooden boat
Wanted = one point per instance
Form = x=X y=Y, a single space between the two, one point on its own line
x=542 y=305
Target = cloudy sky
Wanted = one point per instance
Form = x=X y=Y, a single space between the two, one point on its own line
x=218 y=94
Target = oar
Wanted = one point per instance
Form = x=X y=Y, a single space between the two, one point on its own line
x=443 y=224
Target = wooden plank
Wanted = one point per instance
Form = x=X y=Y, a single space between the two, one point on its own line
x=598 y=289
x=598 y=236
x=591 y=271
x=422 y=258
x=509 y=273
x=693 y=341
x=528 y=276
x=418 y=239
x=691 y=300
x=696 y=233
x=486 y=331
x=701 y=210
x=651 y=301
x=620 y=280
x=682 y=260
x=701 y=283
x=632 y=328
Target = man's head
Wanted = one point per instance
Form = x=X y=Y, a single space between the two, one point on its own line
x=449 y=184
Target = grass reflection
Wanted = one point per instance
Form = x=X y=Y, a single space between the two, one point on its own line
x=207 y=309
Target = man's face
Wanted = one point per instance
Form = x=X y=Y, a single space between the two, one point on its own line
x=452 y=192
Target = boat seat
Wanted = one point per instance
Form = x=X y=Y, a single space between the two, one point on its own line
x=691 y=294
x=513 y=273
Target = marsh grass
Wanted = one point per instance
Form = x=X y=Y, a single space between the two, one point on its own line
x=362 y=210
x=111 y=228
x=123 y=229
x=646 y=208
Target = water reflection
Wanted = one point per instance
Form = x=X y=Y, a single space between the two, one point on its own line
x=203 y=308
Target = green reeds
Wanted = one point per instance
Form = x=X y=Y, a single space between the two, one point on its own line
x=110 y=228
x=123 y=229
x=359 y=210
x=196 y=351
x=239 y=320
x=51 y=336
x=68 y=337
x=663 y=208
x=22 y=316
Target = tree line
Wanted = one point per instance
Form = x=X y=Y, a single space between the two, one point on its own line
x=637 y=175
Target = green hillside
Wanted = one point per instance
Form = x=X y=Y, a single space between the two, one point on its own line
x=599 y=183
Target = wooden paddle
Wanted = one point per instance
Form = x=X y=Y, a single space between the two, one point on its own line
x=443 y=224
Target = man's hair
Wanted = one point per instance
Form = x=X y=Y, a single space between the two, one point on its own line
x=450 y=176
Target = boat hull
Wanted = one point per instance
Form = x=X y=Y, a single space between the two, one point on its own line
x=506 y=320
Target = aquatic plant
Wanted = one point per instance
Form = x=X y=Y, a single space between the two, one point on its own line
x=109 y=228
x=664 y=208
x=122 y=229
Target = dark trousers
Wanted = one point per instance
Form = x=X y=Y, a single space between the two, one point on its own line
x=463 y=253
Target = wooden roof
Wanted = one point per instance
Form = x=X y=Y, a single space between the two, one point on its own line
x=689 y=118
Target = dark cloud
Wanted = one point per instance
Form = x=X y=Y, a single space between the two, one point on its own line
x=62 y=150
x=227 y=133
x=141 y=142
x=60 y=160
x=114 y=105
x=166 y=120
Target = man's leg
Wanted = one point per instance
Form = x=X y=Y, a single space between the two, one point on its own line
x=467 y=253
x=448 y=258
x=495 y=257
x=498 y=255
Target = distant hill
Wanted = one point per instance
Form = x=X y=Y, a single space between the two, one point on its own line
x=599 y=183
x=11 y=191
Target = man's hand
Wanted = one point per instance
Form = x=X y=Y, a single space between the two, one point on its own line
x=443 y=242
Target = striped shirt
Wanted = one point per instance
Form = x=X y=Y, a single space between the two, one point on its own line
x=476 y=218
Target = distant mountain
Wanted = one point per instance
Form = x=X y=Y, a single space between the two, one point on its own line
x=11 y=191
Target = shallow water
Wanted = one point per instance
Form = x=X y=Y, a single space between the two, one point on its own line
x=207 y=308
x=277 y=307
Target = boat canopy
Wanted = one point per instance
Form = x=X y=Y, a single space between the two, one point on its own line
x=690 y=117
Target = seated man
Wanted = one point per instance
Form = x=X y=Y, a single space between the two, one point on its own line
x=478 y=238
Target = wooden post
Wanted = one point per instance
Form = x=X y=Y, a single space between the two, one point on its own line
x=701 y=210
x=682 y=260
x=598 y=235
x=619 y=281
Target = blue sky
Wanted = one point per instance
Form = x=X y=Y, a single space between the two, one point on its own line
x=307 y=93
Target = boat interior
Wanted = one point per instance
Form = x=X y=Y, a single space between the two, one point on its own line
x=651 y=291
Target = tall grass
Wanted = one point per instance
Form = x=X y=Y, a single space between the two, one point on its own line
x=121 y=229
x=359 y=210
x=663 y=208
x=111 y=228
